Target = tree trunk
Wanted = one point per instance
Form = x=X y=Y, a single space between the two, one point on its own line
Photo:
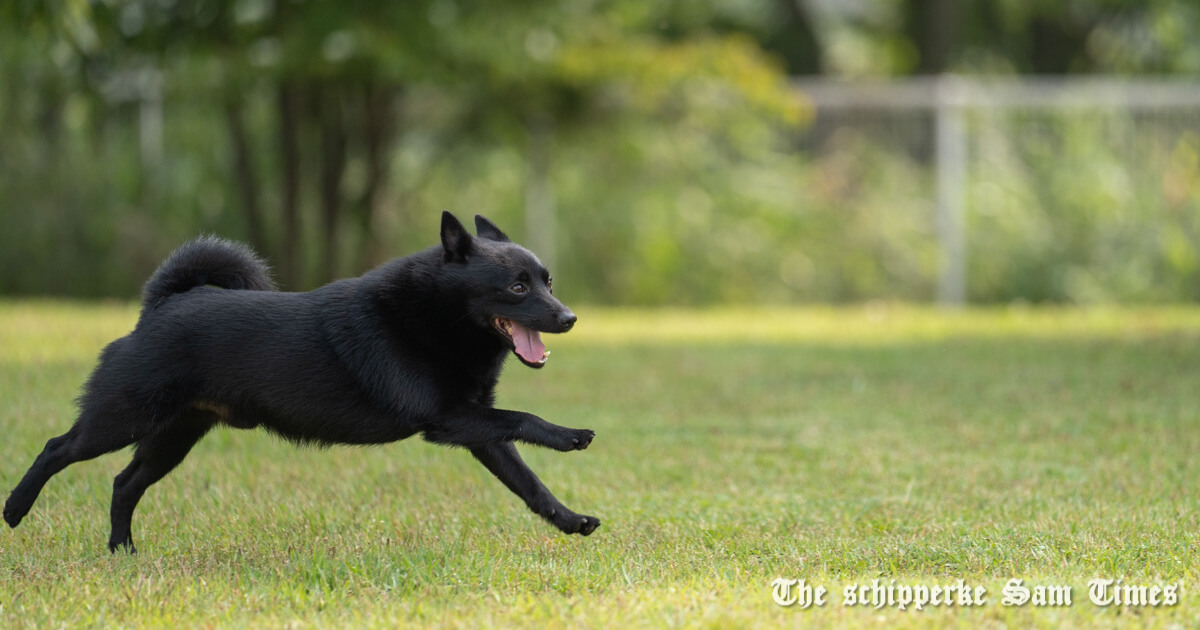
x=1058 y=43
x=796 y=39
x=932 y=26
x=333 y=166
x=289 y=160
x=245 y=175
x=378 y=130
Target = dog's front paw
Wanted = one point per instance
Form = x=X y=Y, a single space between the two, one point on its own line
x=572 y=440
x=589 y=525
x=581 y=524
x=583 y=438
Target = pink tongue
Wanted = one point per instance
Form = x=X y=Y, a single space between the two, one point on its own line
x=528 y=342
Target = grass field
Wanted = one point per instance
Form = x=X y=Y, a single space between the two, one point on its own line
x=733 y=447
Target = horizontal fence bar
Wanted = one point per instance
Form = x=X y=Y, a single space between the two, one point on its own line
x=989 y=93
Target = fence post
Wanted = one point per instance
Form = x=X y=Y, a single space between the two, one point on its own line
x=950 y=142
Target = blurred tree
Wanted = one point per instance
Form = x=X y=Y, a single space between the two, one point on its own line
x=316 y=96
x=1050 y=36
x=660 y=135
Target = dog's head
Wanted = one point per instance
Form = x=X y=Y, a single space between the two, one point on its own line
x=508 y=288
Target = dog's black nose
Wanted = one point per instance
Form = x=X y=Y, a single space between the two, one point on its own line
x=566 y=319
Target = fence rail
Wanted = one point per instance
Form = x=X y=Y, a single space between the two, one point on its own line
x=982 y=93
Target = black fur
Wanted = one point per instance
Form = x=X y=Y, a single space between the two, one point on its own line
x=414 y=346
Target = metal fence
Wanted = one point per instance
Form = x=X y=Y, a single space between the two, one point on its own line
x=967 y=130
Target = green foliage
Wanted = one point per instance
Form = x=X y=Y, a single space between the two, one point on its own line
x=330 y=135
x=1091 y=207
x=733 y=447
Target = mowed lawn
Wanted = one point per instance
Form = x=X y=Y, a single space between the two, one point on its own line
x=912 y=447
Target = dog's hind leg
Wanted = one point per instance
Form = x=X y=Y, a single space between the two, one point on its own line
x=156 y=455
x=92 y=436
x=505 y=462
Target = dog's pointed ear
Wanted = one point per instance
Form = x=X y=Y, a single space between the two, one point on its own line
x=456 y=241
x=487 y=229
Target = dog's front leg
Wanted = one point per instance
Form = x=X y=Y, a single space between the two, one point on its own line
x=477 y=425
x=504 y=462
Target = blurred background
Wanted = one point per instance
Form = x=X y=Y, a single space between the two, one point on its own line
x=690 y=152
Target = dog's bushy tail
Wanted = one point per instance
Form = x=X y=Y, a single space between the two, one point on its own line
x=208 y=260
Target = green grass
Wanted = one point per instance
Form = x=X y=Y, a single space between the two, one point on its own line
x=733 y=447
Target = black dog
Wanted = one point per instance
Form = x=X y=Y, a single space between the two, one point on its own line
x=415 y=346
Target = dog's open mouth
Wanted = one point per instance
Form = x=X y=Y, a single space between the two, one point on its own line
x=527 y=343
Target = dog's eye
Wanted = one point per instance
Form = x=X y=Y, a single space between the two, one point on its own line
x=550 y=284
x=518 y=287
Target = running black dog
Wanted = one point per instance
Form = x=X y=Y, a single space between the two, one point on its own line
x=414 y=346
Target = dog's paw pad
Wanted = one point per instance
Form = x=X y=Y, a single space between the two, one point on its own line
x=589 y=525
x=583 y=439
